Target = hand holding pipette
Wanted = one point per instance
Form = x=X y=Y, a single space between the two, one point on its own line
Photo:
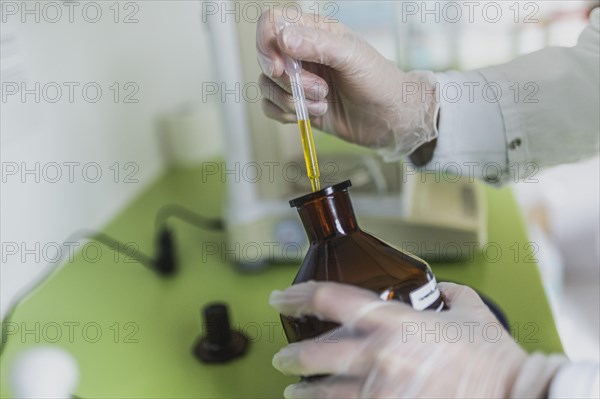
x=368 y=99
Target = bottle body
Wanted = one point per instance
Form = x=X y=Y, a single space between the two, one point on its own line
x=341 y=252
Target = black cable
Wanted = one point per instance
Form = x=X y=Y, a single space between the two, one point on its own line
x=56 y=265
x=164 y=263
x=188 y=216
x=110 y=242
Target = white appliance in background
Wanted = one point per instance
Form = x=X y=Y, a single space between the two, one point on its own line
x=438 y=221
x=191 y=134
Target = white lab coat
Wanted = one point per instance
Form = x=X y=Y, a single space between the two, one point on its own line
x=553 y=118
x=509 y=120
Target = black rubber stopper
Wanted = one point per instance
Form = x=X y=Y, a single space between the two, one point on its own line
x=219 y=343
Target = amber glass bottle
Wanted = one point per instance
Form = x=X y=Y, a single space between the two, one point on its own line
x=341 y=252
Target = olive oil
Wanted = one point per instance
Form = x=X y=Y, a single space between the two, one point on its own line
x=310 y=154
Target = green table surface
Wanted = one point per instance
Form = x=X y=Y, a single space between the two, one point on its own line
x=148 y=325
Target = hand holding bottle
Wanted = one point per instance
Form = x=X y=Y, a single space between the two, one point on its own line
x=387 y=349
x=352 y=91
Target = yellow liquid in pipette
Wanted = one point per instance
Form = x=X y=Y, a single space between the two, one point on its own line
x=310 y=154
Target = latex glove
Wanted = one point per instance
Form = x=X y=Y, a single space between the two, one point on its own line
x=387 y=349
x=353 y=92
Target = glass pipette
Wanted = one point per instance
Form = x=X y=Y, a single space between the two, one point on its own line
x=293 y=68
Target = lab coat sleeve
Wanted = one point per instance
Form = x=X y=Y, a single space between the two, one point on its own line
x=503 y=123
x=576 y=380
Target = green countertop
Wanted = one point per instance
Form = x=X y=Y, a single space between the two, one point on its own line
x=148 y=325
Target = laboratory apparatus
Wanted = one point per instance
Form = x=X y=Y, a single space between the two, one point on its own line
x=341 y=252
x=435 y=218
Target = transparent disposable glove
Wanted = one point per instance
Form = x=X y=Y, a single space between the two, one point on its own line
x=388 y=350
x=352 y=91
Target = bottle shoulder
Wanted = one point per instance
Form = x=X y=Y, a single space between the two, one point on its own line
x=362 y=259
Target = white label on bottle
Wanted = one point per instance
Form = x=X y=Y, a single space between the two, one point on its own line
x=423 y=297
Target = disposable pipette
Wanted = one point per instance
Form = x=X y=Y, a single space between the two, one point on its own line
x=293 y=68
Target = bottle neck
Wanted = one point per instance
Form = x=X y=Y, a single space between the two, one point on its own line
x=328 y=216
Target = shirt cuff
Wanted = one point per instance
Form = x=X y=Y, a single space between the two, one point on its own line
x=471 y=139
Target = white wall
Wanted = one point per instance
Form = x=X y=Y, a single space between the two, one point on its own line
x=165 y=55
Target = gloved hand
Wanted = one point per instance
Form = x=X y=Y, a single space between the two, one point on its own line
x=388 y=350
x=352 y=91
